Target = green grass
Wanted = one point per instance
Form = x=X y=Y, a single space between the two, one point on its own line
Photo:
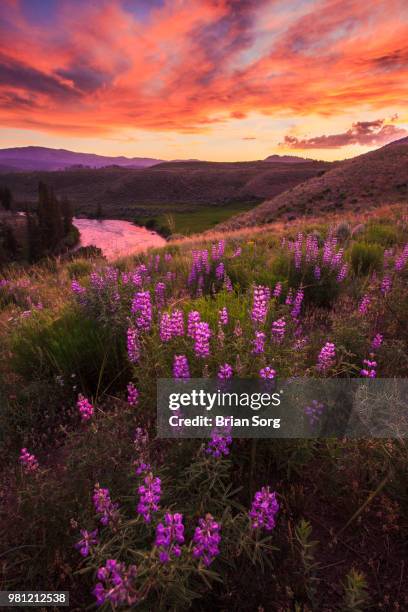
x=193 y=222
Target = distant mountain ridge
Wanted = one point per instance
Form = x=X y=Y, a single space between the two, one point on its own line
x=287 y=159
x=27 y=159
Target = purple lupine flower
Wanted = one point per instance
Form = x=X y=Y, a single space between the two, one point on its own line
x=149 y=497
x=327 y=357
x=28 y=461
x=237 y=252
x=369 y=369
x=237 y=330
x=220 y=271
x=193 y=319
x=278 y=330
x=141 y=440
x=142 y=308
x=177 y=323
x=312 y=248
x=202 y=339
x=314 y=411
x=377 y=341
x=258 y=343
x=85 y=408
x=402 y=259
x=328 y=249
x=364 y=304
x=89 y=539
x=297 y=303
x=386 y=284
x=132 y=342
x=217 y=250
x=228 y=284
x=337 y=259
x=225 y=372
x=168 y=257
x=298 y=250
x=160 y=294
x=142 y=468
x=116 y=584
x=169 y=536
x=104 y=506
x=278 y=290
x=132 y=395
x=267 y=373
x=264 y=509
x=342 y=273
x=77 y=288
x=180 y=367
x=223 y=316
x=165 y=327
x=218 y=445
x=260 y=303
x=206 y=540
x=317 y=272
x=289 y=298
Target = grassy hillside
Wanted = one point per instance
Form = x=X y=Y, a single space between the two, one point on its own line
x=169 y=187
x=334 y=532
x=357 y=184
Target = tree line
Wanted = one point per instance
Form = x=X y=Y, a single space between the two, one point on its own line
x=49 y=228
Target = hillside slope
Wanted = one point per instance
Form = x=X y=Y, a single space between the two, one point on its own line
x=363 y=182
x=167 y=186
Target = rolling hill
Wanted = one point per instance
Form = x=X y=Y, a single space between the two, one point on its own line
x=358 y=184
x=171 y=186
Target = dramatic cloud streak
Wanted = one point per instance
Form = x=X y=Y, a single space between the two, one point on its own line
x=365 y=133
x=189 y=66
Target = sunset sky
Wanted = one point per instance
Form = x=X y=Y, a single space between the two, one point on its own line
x=208 y=79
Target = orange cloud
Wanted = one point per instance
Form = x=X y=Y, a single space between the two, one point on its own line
x=364 y=133
x=184 y=66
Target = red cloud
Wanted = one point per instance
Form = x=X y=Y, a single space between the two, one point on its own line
x=366 y=133
x=183 y=66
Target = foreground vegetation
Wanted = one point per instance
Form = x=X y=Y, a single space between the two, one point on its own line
x=98 y=506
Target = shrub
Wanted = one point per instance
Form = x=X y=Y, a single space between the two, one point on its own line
x=78 y=268
x=377 y=233
x=69 y=344
x=366 y=257
x=343 y=230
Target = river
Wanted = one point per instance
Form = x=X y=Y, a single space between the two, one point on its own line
x=116 y=238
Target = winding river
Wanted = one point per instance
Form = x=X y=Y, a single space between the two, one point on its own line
x=116 y=238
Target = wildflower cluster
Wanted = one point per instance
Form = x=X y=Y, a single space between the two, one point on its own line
x=132 y=394
x=218 y=445
x=28 y=461
x=85 y=408
x=180 y=367
x=314 y=411
x=108 y=511
x=149 y=497
x=88 y=540
x=206 y=540
x=261 y=297
x=116 y=584
x=327 y=357
x=264 y=509
x=169 y=536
